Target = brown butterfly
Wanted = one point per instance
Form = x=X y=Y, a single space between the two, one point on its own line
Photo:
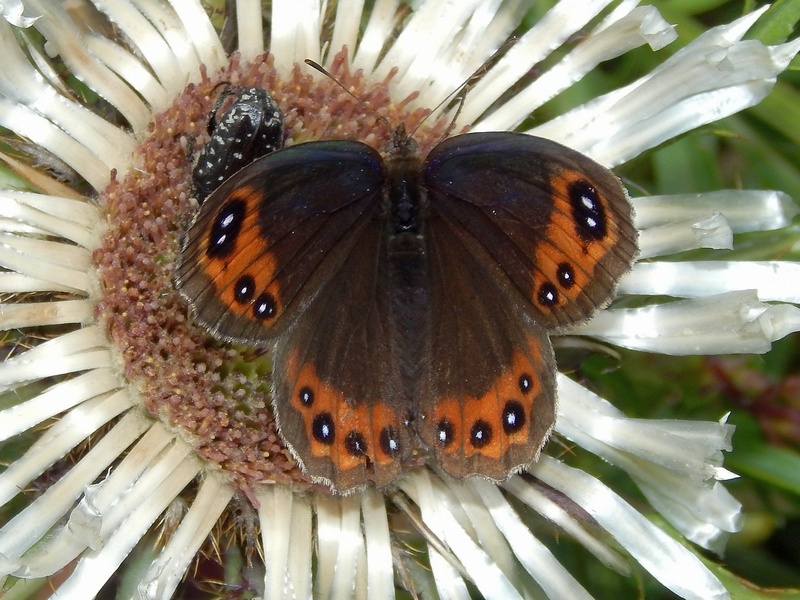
x=409 y=300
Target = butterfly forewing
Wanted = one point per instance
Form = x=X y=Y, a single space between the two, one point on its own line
x=554 y=225
x=269 y=238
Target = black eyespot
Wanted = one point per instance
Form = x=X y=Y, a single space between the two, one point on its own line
x=587 y=211
x=566 y=276
x=513 y=416
x=226 y=228
x=525 y=383
x=355 y=443
x=322 y=429
x=481 y=434
x=548 y=295
x=389 y=441
x=244 y=290
x=306 y=396
x=445 y=433
x=264 y=307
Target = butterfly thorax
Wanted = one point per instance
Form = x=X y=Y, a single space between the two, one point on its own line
x=405 y=209
x=404 y=195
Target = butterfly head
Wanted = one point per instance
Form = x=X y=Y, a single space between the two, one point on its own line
x=401 y=143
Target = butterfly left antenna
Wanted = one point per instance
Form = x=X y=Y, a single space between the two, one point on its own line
x=318 y=67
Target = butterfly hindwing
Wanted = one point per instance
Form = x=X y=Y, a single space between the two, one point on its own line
x=338 y=387
x=487 y=406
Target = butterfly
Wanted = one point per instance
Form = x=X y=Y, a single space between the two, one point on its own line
x=409 y=300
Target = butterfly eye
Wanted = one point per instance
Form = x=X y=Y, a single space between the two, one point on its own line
x=548 y=294
x=566 y=275
x=245 y=289
x=306 y=396
x=265 y=307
